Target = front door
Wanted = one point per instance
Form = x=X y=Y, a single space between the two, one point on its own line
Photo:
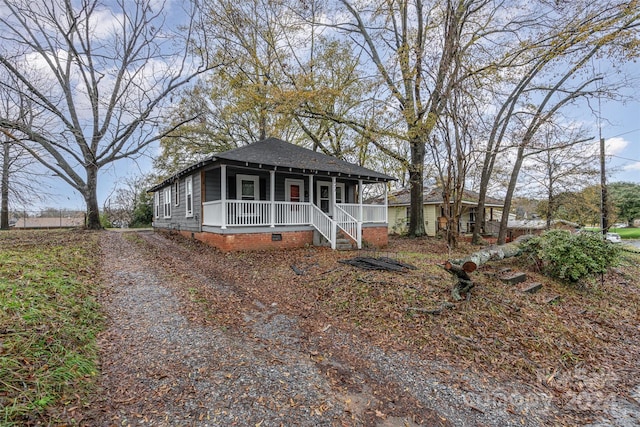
x=294 y=190
x=324 y=197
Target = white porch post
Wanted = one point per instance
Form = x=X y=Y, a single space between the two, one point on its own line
x=332 y=200
x=360 y=218
x=272 y=196
x=223 y=194
x=386 y=203
x=310 y=196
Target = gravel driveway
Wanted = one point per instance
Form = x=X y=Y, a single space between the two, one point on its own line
x=163 y=365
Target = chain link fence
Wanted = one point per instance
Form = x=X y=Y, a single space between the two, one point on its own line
x=49 y=218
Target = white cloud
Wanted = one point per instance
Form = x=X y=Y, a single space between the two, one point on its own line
x=615 y=145
x=632 y=167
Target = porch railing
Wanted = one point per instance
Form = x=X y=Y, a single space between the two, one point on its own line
x=248 y=212
x=212 y=213
x=325 y=225
x=265 y=213
x=292 y=213
x=347 y=223
x=370 y=213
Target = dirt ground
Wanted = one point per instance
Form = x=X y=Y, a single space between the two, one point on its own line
x=196 y=337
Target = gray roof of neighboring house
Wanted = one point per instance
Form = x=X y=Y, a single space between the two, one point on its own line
x=433 y=196
x=279 y=154
x=538 y=224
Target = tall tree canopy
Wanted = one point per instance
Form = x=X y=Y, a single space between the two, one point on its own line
x=446 y=90
x=101 y=72
x=626 y=200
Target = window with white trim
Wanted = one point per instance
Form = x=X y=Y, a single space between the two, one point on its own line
x=247 y=187
x=167 y=202
x=188 y=196
x=156 y=198
x=176 y=191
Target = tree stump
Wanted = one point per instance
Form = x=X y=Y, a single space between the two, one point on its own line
x=464 y=284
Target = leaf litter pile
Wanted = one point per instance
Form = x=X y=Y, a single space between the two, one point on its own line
x=577 y=343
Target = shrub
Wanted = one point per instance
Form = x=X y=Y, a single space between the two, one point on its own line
x=572 y=257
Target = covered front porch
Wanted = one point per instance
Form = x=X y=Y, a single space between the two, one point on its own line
x=245 y=198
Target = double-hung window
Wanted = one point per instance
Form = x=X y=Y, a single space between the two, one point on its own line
x=167 y=202
x=188 y=196
x=156 y=197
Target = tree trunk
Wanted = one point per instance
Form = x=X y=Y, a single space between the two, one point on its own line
x=4 y=209
x=416 y=172
x=91 y=199
x=504 y=221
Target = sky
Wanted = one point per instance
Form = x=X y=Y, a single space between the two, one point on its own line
x=621 y=131
x=620 y=127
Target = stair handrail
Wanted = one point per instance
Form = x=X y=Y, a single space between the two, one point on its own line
x=324 y=224
x=349 y=224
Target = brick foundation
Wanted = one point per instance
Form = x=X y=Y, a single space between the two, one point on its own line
x=253 y=241
x=371 y=237
x=375 y=237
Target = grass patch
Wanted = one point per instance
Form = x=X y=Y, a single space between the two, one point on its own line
x=627 y=232
x=49 y=319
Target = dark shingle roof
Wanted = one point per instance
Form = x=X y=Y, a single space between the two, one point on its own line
x=274 y=152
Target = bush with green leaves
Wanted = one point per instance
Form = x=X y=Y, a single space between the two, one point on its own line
x=572 y=257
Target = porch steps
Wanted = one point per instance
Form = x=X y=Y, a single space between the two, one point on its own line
x=343 y=244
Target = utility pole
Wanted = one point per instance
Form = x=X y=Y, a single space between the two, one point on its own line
x=604 y=221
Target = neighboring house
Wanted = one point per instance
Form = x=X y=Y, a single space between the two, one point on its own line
x=271 y=194
x=519 y=228
x=434 y=211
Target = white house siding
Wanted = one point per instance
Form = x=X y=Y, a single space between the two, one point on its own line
x=431 y=213
x=397 y=217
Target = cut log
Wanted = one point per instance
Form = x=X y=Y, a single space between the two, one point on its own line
x=493 y=252
x=464 y=284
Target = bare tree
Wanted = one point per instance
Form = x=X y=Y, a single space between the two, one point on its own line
x=120 y=206
x=548 y=75
x=106 y=70
x=422 y=52
x=566 y=162
x=21 y=183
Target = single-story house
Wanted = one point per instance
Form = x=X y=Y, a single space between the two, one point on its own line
x=272 y=194
x=434 y=211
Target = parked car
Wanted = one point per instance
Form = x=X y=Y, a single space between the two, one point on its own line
x=613 y=238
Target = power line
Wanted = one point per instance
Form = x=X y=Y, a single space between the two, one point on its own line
x=624 y=133
x=623 y=158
